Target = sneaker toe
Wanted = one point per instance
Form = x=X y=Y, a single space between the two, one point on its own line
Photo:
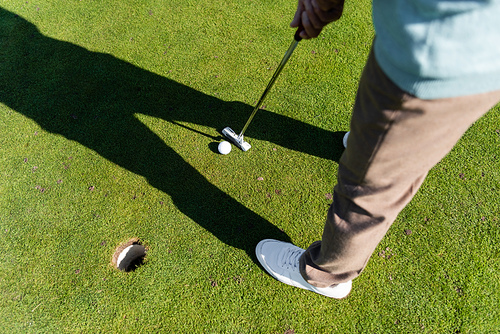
x=268 y=252
x=266 y=255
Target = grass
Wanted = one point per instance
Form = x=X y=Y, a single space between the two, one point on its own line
x=110 y=114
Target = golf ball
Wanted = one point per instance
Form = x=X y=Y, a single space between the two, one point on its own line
x=224 y=147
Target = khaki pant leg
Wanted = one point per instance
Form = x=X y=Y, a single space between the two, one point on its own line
x=395 y=140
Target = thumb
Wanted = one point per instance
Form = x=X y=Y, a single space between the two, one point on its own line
x=296 y=19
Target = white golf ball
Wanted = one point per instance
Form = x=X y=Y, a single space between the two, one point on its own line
x=224 y=147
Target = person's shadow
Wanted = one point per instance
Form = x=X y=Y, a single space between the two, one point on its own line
x=91 y=98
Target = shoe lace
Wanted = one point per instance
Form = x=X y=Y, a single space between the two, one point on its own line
x=289 y=258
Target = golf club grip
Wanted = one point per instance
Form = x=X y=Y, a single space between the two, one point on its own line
x=297 y=33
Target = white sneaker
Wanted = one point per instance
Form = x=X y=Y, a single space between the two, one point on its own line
x=281 y=260
x=345 y=139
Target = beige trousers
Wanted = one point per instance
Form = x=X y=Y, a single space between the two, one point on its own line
x=395 y=140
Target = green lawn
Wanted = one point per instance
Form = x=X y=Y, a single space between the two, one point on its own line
x=110 y=115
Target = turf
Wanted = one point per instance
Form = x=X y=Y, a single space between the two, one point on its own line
x=110 y=115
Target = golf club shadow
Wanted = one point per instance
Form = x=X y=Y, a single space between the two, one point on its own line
x=92 y=98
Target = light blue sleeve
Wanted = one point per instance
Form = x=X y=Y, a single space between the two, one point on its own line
x=437 y=49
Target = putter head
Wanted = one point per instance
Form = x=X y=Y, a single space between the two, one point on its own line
x=235 y=139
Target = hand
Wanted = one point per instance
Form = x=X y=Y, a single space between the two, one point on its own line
x=313 y=15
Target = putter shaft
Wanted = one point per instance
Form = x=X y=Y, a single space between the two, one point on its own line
x=238 y=139
x=271 y=83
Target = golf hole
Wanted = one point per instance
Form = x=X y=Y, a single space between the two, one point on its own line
x=129 y=255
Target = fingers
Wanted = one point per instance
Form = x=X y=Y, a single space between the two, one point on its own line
x=297 y=18
x=311 y=11
x=328 y=14
x=310 y=20
x=313 y=18
x=310 y=31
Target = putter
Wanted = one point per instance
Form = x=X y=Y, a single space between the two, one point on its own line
x=238 y=139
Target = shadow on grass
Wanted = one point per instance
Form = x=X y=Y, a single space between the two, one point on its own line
x=91 y=98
